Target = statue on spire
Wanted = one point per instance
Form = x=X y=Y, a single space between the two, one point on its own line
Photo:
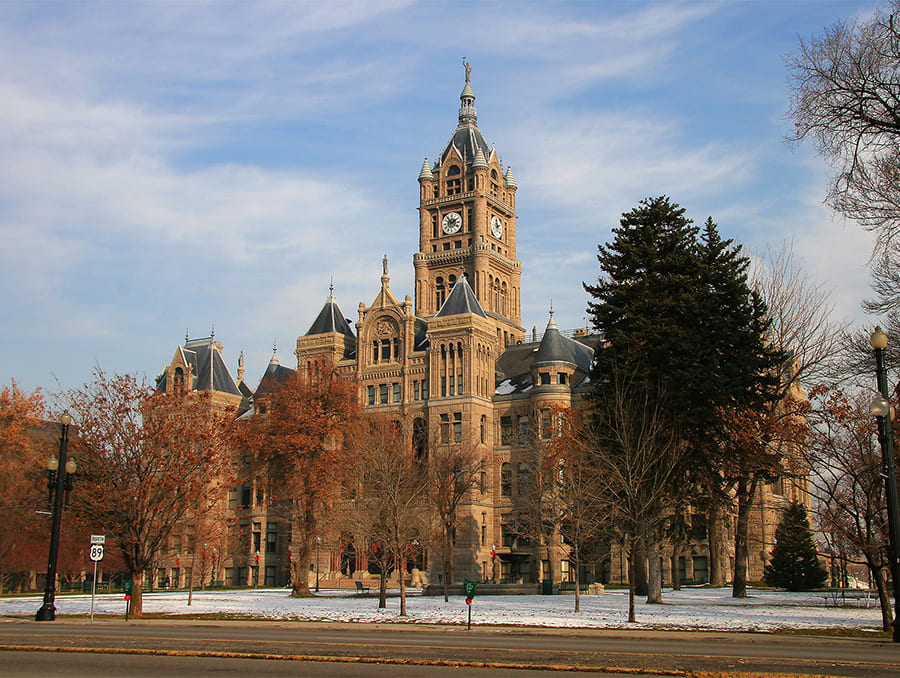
x=468 y=69
x=384 y=264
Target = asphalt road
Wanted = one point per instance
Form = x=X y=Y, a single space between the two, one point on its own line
x=366 y=649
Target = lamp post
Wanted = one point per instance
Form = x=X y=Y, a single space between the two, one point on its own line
x=59 y=473
x=881 y=408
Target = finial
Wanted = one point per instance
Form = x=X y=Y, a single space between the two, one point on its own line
x=384 y=264
x=551 y=308
x=241 y=360
x=187 y=336
x=331 y=290
x=212 y=332
x=468 y=69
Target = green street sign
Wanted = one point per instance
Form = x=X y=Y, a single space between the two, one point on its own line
x=470 y=588
x=129 y=587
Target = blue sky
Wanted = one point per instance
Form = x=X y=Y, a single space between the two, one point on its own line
x=173 y=166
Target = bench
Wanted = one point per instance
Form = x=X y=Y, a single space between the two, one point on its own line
x=849 y=597
x=360 y=588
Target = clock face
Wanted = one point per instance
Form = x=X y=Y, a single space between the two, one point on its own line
x=452 y=223
x=496 y=227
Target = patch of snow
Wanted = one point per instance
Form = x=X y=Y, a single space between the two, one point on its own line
x=687 y=609
x=505 y=387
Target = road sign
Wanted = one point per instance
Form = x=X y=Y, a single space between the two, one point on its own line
x=470 y=588
x=96 y=552
x=98 y=538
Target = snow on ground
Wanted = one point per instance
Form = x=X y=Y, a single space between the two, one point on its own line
x=688 y=609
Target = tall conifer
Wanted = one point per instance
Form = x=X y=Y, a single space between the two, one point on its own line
x=795 y=565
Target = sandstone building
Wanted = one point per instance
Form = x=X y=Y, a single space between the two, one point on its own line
x=454 y=360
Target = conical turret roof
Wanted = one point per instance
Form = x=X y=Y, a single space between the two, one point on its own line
x=330 y=319
x=461 y=300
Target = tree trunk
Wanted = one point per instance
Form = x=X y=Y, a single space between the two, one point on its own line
x=402 y=571
x=673 y=564
x=137 y=599
x=639 y=568
x=382 y=589
x=654 y=575
x=745 y=489
x=877 y=571
x=631 y=560
x=445 y=555
x=577 y=581
x=715 y=542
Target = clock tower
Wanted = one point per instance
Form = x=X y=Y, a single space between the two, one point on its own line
x=467 y=227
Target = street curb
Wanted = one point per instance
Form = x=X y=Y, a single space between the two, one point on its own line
x=562 y=668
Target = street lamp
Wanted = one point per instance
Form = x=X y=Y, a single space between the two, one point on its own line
x=884 y=415
x=59 y=474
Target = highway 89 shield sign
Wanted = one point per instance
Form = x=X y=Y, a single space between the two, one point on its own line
x=96 y=552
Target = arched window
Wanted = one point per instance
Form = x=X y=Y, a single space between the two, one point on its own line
x=440 y=292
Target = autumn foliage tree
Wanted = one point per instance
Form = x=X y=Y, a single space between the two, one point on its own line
x=148 y=462
x=296 y=447
x=23 y=452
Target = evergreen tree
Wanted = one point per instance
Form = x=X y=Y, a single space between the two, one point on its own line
x=673 y=303
x=675 y=307
x=795 y=565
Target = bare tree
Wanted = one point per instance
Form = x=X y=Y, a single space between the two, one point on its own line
x=454 y=469
x=764 y=444
x=847 y=479
x=391 y=494
x=801 y=316
x=563 y=505
x=636 y=453
x=846 y=99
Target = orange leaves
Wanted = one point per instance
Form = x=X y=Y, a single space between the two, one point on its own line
x=146 y=461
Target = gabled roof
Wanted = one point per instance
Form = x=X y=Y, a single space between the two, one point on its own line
x=330 y=319
x=461 y=300
x=207 y=367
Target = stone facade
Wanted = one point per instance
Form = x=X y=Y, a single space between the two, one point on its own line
x=456 y=364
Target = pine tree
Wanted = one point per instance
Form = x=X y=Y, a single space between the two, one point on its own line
x=795 y=565
x=673 y=302
x=675 y=307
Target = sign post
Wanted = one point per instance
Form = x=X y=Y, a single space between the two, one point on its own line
x=97 y=542
x=129 y=587
x=470 y=594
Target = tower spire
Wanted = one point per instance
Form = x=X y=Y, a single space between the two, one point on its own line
x=467 y=113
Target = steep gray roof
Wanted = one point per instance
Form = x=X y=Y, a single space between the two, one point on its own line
x=461 y=300
x=330 y=319
x=274 y=374
x=513 y=367
x=467 y=138
x=207 y=366
x=554 y=347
